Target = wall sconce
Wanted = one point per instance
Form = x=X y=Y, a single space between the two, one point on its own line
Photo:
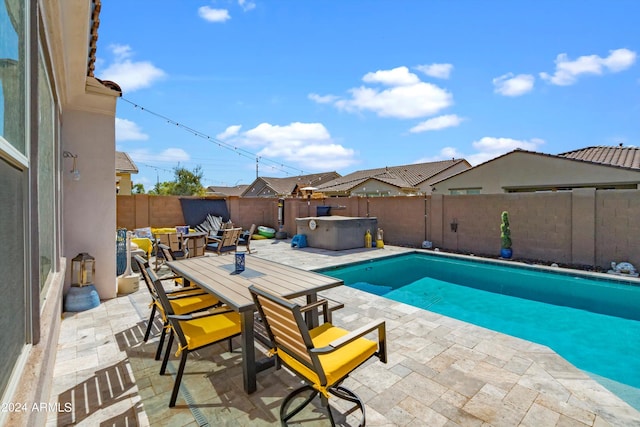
x=454 y=225
x=75 y=173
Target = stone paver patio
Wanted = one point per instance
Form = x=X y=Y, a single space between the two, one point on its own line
x=441 y=371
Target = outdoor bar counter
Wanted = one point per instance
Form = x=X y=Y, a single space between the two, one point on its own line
x=336 y=232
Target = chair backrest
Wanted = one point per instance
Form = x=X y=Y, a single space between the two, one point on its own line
x=159 y=292
x=171 y=254
x=230 y=237
x=166 y=252
x=143 y=265
x=173 y=240
x=248 y=242
x=286 y=327
x=197 y=245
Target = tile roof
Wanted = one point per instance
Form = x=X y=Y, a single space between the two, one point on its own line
x=236 y=190
x=94 y=24
x=124 y=163
x=625 y=157
x=93 y=36
x=288 y=185
x=404 y=176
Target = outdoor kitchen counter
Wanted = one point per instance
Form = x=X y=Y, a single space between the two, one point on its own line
x=336 y=232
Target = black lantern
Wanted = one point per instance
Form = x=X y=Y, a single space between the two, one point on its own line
x=239 y=262
x=83 y=270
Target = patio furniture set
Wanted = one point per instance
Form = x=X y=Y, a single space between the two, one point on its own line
x=277 y=304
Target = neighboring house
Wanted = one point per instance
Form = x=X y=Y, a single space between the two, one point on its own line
x=47 y=57
x=406 y=180
x=287 y=187
x=222 y=191
x=527 y=171
x=124 y=168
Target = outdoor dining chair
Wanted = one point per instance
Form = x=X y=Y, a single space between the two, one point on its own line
x=323 y=356
x=245 y=238
x=228 y=242
x=193 y=331
x=167 y=255
x=182 y=301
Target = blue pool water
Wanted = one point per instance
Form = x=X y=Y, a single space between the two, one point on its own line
x=594 y=324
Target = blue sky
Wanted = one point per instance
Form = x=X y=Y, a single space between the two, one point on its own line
x=309 y=86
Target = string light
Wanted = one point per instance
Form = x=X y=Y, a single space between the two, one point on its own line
x=221 y=144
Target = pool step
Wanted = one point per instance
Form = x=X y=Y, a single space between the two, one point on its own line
x=435 y=300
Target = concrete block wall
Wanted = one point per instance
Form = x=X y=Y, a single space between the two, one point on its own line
x=403 y=219
x=583 y=226
x=617 y=234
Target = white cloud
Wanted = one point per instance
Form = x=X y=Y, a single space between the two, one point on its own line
x=229 y=132
x=309 y=145
x=440 y=71
x=170 y=155
x=490 y=147
x=404 y=102
x=126 y=130
x=510 y=85
x=567 y=71
x=447 y=153
x=437 y=123
x=213 y=15
x=399 y=76
x=407 y=97
x=487 y=148
x=246 y=5
x=503 y=145
x=128 y=74
x=620 y=60
x=296 y=131
x=323 y=99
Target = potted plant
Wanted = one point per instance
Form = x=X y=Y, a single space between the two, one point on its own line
x=505 y=237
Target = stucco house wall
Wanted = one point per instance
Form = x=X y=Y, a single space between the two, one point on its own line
x=528 y=171
x=123 y=183
x=89 y=211
x=375 y=188
x=426 y=186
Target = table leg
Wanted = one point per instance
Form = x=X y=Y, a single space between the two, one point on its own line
x=248 y=352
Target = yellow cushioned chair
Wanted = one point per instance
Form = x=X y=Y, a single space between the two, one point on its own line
x=194 y=331
x=323 y=356
x=182 y=301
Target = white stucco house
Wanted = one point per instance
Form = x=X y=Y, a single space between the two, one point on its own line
x=600 y=167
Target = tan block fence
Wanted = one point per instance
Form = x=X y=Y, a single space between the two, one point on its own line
x=583 y=227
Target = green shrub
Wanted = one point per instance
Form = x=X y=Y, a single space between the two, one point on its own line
x=505 y=232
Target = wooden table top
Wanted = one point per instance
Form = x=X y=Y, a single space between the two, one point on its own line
x=216 y=274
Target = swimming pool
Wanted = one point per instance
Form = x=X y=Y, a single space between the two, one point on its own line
x=593 y=323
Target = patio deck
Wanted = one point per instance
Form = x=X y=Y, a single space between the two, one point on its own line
x=441 y=371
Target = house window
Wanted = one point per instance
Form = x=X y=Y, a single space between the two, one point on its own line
x=14 y=179
x=46 y=177
x=12 y=74
x=465 y=191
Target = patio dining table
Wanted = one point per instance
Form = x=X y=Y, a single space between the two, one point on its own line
x=217 y=275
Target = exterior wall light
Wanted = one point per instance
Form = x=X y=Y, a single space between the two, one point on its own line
x=75 y=173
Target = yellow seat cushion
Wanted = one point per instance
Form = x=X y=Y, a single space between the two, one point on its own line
x=163 y=230
x=143 y=243
x=337 y=364
x=192 y=303
x=191 y=290
x=206 y=330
